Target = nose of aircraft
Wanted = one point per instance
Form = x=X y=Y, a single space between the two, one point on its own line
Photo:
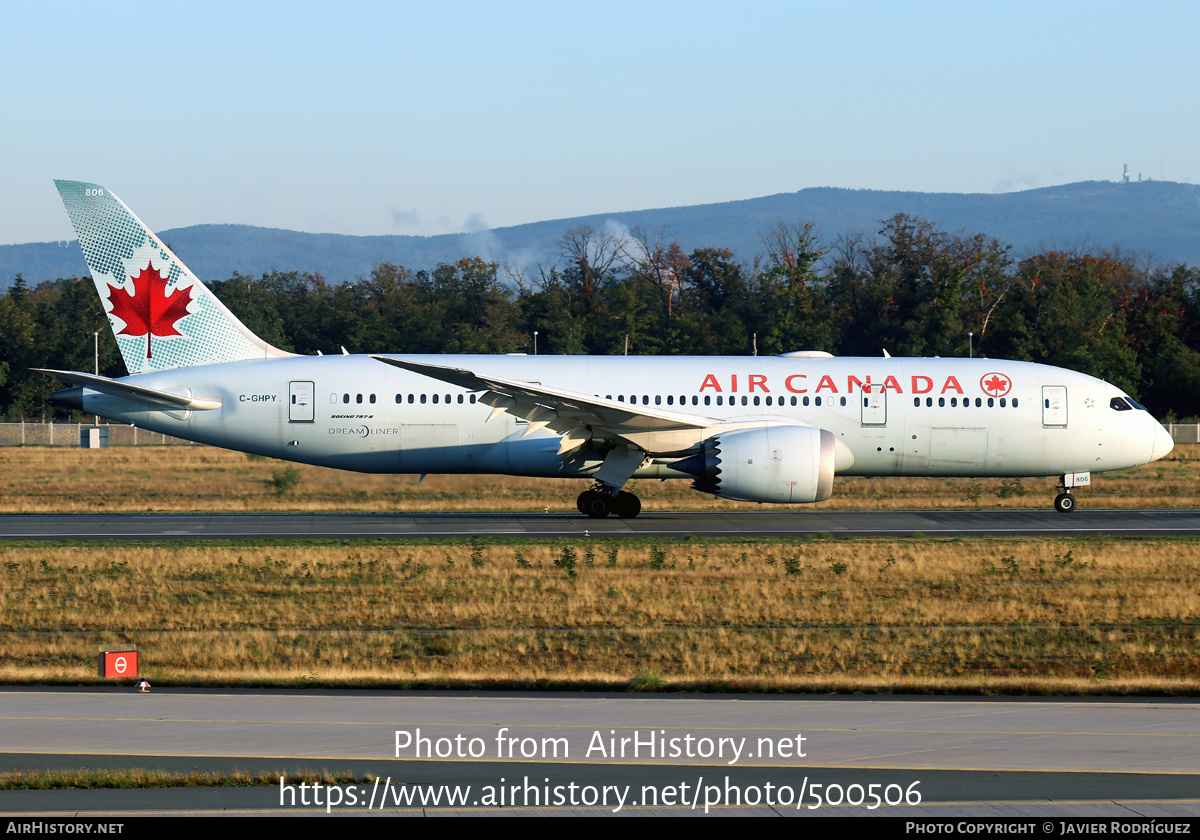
x=1162 y=442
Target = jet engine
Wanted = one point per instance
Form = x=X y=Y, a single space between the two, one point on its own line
x=785 y=464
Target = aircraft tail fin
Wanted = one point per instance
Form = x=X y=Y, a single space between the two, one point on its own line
x=160 y=313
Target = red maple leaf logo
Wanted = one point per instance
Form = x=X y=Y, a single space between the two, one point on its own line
x=149 y=310
x=998 y=385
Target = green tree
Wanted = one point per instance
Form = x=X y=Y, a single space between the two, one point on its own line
x=1074 y=318
x=793 y=310
x=719 y=295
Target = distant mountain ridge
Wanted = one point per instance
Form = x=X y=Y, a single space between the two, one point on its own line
x=1159 y=218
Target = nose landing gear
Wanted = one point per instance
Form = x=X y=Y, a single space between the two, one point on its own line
x=1065 y=501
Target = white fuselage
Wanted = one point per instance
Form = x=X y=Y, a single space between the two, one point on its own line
x=897 y=416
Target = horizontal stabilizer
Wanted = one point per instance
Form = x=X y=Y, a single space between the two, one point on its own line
x=148 y=396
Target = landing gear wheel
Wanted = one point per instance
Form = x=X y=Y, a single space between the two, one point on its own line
x=595 y=504
x=627 y=506
x=1064 y=503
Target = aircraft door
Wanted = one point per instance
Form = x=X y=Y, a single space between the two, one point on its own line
x=300 y=402
x=874 y=407
x=1054 y=405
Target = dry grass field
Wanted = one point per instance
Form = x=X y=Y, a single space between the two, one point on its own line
x=993 y=616
x=204 y=479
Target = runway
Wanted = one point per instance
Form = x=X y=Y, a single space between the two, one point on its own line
x=659 y=754
x=747 y=524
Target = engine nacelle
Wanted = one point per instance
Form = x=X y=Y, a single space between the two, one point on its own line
x=784 y=464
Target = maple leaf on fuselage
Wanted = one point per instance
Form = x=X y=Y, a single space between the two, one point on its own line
x=149 y=310
x=995 y=385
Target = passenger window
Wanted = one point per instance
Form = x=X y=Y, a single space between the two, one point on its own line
x=358 y=399
x=346 y=399
x=398 y=400
x=422 y=399
x=372 y=399
x=410 y=399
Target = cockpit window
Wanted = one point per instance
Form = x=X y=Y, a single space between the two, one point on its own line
x=1135 y=404
x=1119 y=404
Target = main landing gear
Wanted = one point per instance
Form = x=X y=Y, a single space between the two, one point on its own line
x=600 y=500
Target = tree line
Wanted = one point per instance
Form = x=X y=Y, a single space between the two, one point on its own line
x=913 y=289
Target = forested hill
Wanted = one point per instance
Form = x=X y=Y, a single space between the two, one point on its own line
x=1159 y=218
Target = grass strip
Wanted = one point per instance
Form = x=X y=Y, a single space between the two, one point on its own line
x=202 y=479
x=86 y=779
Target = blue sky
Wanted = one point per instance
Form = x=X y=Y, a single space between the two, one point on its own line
x=373 y=118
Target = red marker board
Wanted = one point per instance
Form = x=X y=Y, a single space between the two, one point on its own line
x=118 y=664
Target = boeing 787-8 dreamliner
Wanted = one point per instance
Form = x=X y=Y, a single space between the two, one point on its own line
x=750 y=428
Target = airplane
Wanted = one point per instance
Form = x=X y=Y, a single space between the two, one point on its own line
x=748 y=428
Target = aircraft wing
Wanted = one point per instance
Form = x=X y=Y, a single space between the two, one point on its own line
x=578 y=417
